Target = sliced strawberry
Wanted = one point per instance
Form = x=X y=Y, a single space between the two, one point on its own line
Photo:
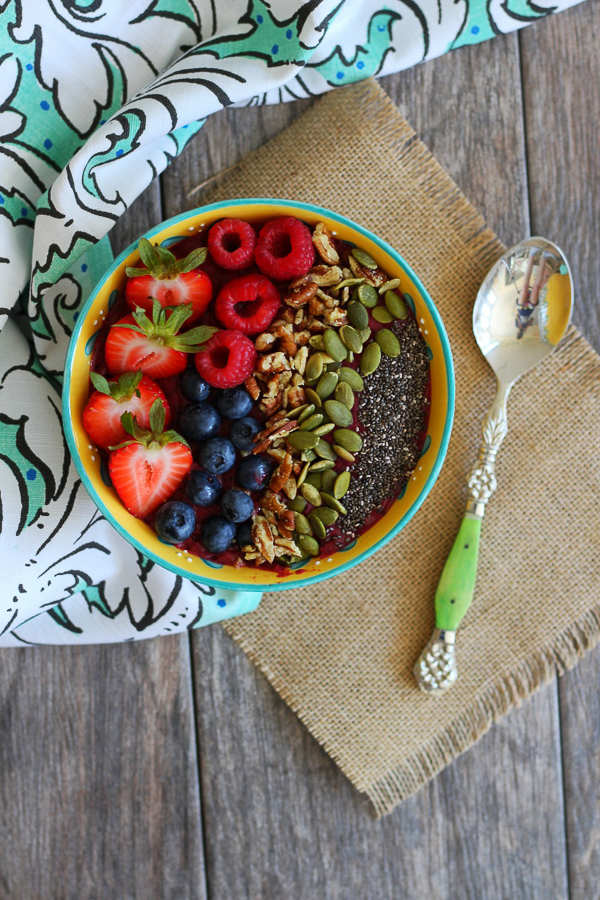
x=154 y=346
x=149 y=468
x=134 y=393
x=171 y=281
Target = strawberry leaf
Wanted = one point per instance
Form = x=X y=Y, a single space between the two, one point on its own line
x=132 y=272
x=127 y=423
x=100 y=383
x=157 y=417
x=148 y=254
x=191 y=261
x=167 y=260
x=172 y=437
x=197 y=335
x=127 y=386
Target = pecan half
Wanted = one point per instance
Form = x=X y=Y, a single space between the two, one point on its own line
x=251 y=385
x=326 y=276
x=323 y=241
x=301 y=295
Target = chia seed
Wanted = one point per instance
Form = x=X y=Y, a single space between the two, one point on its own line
x=392 y=411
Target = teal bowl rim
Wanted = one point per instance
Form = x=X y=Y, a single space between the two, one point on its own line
x=281 y=583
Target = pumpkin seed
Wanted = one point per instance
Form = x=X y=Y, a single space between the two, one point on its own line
x=365 y=334
x=322 y=465
x=370 y=359
x=357 y=314
x=302 y=476
x=329 y=478
x=333 y=503
x=308 y=545
x=306 y=413
x=396 y=305
x=350 y=357
x=344 y=394
x=389 y=285
x=294 y=413
x=389 y=343
x=308 y=455
x=324 y=450
x=312 y=422
x=324 y=429
x=364 y=258
x=303 y=440
x=351 y=338
x=302 y=525
x=343 y=453
x=347 y=282
x=382 y=314
x=314 y=367
x=311 y=494
x=318 y=526
x=327 y=384
x=298 y=504
x=349 y=440
x=333 y=345
x=327 y=515
x=342 y=483
x=314 y=478
x=352 y=377
x=367 y=295
x=334 y=366
x=338 y=413
x=316 y=342
x=313 y=397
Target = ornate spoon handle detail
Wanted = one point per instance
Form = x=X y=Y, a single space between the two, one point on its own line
x=435 y=669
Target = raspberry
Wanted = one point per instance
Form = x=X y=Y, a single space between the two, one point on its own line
x=248 y=303
x=284 y=249
x=228 y=359
x=231 y=243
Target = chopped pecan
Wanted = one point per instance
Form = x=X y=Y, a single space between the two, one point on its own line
x=264 y=341
x=288 y=315
x=323 y=241
x=271 y=405
x=302 y=337
x=376 y=277
x=325 y=276
x=281 y=474
x=290 y=488
x=273 y=362
x=300 y=359
x=300 y=296
x=269 y=435
x=285 y=333
x=298 y=317
x=251 y=385
x=272 y=388
x=298 y=282
x=296 y=396
x=263 y=538
x=284 y=546
x=316 y=307
x=279 y=455
x=336 y=317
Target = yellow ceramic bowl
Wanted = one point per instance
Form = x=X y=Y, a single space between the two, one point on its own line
x=87 y=459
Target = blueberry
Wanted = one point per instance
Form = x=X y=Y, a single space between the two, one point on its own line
x=253 y=471
x=243 y=431
x=243 y=534
x=217 y=534
x=217 y=455
x=193 y=387
x=175 y=521
x=234 y=403
x=236 y=506
x=202 y=489
x=199 y=421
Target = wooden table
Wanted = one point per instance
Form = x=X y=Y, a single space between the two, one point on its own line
x=171 y=769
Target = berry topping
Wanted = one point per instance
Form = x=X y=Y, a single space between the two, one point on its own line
x=175 y=522
x=284 y=249
x=216 y=455
x=202 y=488
x=231 y=243
x=243 y=534
x=237 y=506
x=199 y=421
x=253 y=471
x=154 y=346
x=148 y=469
x=217 y=534
x=169 y=281
x=243 y=431
x=133 y=392
x=234 y=403
x=248 y=303
x=193 y=387
x=227 y=359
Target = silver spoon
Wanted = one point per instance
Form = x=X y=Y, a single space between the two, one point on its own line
x=522 y=311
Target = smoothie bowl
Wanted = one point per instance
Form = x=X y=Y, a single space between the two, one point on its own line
x=259 y=394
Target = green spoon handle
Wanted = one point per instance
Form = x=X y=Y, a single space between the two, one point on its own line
x=457 y=583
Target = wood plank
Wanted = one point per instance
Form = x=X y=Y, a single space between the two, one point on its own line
x=99 y=791
x=561 y=74
x=281 y=821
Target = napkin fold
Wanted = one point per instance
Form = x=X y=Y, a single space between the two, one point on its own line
x=94 y=103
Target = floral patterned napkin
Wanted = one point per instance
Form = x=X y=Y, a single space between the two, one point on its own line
x=96 y=97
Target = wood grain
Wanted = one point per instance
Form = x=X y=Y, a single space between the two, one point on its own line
x=561 y=73
x=281 y=822
x=99 y=792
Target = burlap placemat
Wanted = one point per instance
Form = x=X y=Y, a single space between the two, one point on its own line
x=341 y=653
